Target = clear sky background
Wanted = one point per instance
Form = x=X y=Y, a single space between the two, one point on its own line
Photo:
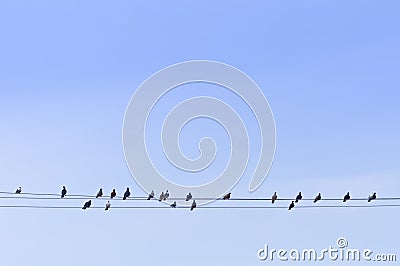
x=329 y=70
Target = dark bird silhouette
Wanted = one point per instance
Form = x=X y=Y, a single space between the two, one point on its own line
x=173 y=205
x=161 y=196
x=274 y=198
x=346 y=197
x=166 y=195
x=113 y=194
x=108 y=205
x=372 y=197
x=63 y=192
x=126 y=194
x=151 y=195
x=100 y=193
x=291 y=206
x=298 y=197
x=18 y=191
x=317 y=198
x=227 y=196
x=87 y=205
x=189 y=196
x=194 y=205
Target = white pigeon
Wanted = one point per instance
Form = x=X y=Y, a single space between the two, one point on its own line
x=108 y=205
x=166 y=195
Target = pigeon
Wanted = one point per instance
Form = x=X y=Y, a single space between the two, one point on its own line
x=108 y=205
x=161 y=196
x=113 y=194
x=151 y=195
x=166 y=195
x=317 y=198
x=299 y=197
x=100 y=193
x=18 y=191
x=274 y=197
x=194 y=205
x=346 y=197
x=87 y=205
x=173 y=205
x=227 y=196
x=63 y=192
x=291 y=206
x=126 y=194
x=189 y=196
x=372 y=197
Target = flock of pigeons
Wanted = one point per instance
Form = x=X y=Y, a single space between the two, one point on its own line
x=164 y=196
x=318 y=198
x=127 y=194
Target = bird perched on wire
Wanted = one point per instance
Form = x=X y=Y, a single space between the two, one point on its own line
x=151 y=195
x=346 y=197
x=189 y=196
x=126 y=194
x=227 y=196
x=298 y=197
x=18 y=191
x=274 y=198
x=100 y=193
x=173 y=205
x=108 y=205
x=161 y=196
x=317 y=198
x=194 y=205
x=291 y=206
x=166 y=195
x=63 y=192
x=113 y=194
x=372 y=197
x=87 y=205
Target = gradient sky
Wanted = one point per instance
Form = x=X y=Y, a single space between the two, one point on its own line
x=68 y=69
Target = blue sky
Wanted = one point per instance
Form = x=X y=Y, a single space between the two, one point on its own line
x=329 y=70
